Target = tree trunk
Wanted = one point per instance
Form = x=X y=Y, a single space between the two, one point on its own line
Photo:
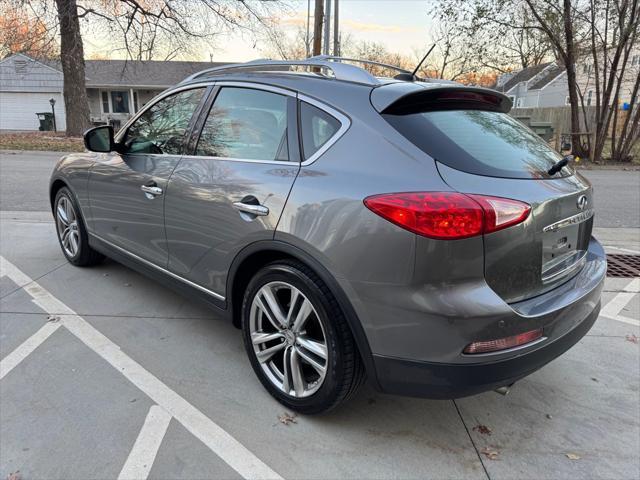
x=318 y=18
x=76 y=103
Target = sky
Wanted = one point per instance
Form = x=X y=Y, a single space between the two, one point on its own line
x=400 y=25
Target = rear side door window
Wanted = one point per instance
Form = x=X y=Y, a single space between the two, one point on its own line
x=317 y=127
x=247 y=124
x=161 y=128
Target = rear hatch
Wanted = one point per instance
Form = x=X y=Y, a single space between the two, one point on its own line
x=480 y=149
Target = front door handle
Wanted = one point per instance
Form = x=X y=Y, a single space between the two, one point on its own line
x=259 y=210
x=151 y=191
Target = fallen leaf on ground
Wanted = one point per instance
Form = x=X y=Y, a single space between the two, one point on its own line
x=572 y=456
x=14 y=475
x=483 y=429
x=490 y=453
x=287 y=418
x=53 y=318
x=631 y=338
x=549 y=416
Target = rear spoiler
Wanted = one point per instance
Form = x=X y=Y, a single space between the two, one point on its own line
x=403 y=98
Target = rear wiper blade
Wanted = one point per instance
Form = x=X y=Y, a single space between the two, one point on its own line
x=560 y=164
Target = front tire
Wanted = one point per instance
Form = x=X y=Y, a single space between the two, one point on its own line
x=72 y=232
x=298 y=340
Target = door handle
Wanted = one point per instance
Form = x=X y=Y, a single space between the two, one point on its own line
x=252 y=209
x=151 y=191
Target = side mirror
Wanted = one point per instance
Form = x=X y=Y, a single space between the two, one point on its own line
x=99 y=139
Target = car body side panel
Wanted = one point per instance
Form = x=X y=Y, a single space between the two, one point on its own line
x=204 y=231
x=74 y=170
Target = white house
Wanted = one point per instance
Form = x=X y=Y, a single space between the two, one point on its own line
x=543 y=85
x=116 y=88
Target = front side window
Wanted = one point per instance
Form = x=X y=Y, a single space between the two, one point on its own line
x=162 y=127
x=246 y=124
x=120 y=101
x=317 y=128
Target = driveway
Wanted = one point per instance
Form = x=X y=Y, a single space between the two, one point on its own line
x=107 y=374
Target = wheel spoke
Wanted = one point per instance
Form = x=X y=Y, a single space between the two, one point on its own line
x=69 y=210
x=62 y=215
x=303 y=314
x=286 y=367
x=296 y=373
x=65 y=237
x=267 y=313
x=266 y=354
x=73 y=240
x=274 y=306
x=258 y=338
x=295 y=294
x=312 y=361
x=313 y=346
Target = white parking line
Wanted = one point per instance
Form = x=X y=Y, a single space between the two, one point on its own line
x=236 y=455
x=616 y=304
x=9 y=362
x=144 y=451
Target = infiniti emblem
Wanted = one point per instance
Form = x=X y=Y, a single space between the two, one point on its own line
x=582 y=202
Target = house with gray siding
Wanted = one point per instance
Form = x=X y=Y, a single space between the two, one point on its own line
x=116 y=88
x=543 y=85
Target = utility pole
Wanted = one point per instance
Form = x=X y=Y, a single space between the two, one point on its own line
x=327 y=31
x=318 y=16
x=336 y=29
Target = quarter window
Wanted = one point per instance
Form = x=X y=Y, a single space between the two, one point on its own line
x=317 y=128
x=162 y=127
x=246 y=124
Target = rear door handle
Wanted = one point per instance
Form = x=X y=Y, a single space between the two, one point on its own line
x=252 y=209
x=151 y=191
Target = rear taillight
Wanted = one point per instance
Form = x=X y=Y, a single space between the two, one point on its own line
x=503 y=343
x=448 y=215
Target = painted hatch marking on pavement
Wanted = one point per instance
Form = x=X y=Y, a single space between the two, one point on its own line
x=613 y=308
x=236 y=455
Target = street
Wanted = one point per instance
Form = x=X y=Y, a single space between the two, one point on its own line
x=105 y=373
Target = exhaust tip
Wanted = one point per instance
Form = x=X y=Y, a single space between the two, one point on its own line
x=504 y=390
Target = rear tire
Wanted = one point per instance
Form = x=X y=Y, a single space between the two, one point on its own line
x=72 y=232
x=314 y=339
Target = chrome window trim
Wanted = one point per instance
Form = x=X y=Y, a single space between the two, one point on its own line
x=244 y=160
x=345 y=123
x=163 y=270
x=255 y=86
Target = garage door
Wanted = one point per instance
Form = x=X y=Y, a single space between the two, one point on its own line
x=18 y=110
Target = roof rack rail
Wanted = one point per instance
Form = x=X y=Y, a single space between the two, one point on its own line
x=340 y=70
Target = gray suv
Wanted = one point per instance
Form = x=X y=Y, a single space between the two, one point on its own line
x=402 y=230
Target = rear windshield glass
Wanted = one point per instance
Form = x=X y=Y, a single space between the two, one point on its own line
x=480 y=142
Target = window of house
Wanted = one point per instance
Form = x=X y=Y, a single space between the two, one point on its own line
x=246 y=124
x=635 y=60
x=519 y=103
x=513 y=99
x=105 y=102
x=120 y=101
x=162 y=127
x=567 y=100
x=589 y=97
x=317 y=128
x=586 y=68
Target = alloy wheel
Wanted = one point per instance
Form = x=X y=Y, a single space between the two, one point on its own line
x=67 y=223
x=288 y=339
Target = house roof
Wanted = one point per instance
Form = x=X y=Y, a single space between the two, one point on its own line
x=522 y=76
x=550 y=74
x=137 y=73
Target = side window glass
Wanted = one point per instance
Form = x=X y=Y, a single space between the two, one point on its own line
x=317 y=128
x=246 y=124
x=162 y=127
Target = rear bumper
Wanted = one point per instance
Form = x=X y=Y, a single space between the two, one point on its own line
x=439 y=380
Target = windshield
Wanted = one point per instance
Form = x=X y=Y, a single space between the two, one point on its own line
x=480 y=142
